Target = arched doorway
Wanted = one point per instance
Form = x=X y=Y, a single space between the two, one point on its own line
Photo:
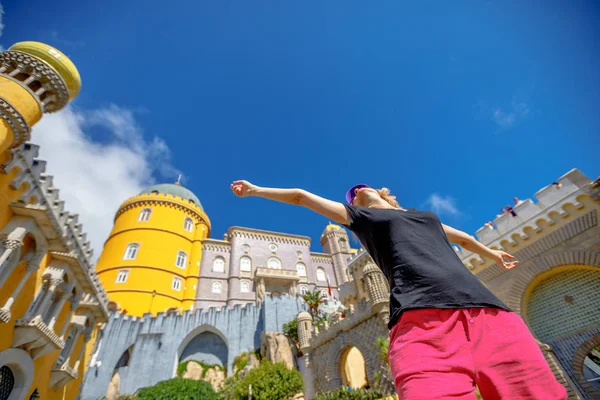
x=563 y=301
x=114 y=387
x=353 y=368
x=205 y=344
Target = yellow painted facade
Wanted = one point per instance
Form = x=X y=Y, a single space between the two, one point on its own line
x=50 y=305
x=156 y=223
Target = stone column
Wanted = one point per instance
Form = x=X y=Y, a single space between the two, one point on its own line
x=56 y=311
x=66 y=352
x=42 y=307
x=86 y=338
x=5 y=310
x=10 y=245
x=74 y=305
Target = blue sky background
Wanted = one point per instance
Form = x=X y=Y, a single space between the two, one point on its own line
x=457 y=106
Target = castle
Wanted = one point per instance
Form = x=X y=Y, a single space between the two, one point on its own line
x=164 y=292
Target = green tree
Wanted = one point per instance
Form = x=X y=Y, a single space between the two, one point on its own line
x=290 y=329
x=313 y=300
x=269 y=382
x=178 y=389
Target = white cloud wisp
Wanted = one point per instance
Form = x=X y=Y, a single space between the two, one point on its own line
x=95 y=178
x=443 y=205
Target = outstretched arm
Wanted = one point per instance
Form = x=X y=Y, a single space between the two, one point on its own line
x=330 y=209
x=468 y=242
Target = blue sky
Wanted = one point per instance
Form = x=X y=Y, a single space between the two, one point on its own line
x=467 y=103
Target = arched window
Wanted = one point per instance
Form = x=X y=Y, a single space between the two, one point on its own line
x=301 y=268
x=145 y=214
x=216 y=287
x=181 y=260
x=321 y=274
x=245 y=264
x=244 y=287
x=7 y=382
x=343 y=244
x=188 y=224
x=122 y=276
x=131 y=251
x=303 y=290
x=274 y=263
x=176 y=284
x=219 y=264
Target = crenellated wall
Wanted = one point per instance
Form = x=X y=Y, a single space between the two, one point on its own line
x=156 y=344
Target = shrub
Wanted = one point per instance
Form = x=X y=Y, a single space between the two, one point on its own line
x=178 y=389
x=182 y=367
x=290 y=329
x=345 y=393
x=269 y=382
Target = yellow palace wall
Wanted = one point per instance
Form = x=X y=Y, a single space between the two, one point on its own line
x=148 y=288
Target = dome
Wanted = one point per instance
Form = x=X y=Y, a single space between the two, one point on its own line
x=174 y=189
x=304 y=316
x=60 y=62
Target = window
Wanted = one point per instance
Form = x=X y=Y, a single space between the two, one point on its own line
x=176 y=285
x=274 y=263
x=122 y=276
x=301 y=268
x=299 y=254
x=219 y=264
x=303 y=290
x=131 y=251
x=145 y=214
x=245 y=287
x=343 y=244
x=321 y=274
x=188 y=224
x=246 y=248
x=181 y=261
x=273 y=247
x=216 y=287
x=245 y=264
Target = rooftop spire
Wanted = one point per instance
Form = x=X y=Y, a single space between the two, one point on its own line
x=178 y=180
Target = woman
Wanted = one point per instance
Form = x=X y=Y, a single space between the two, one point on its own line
x=448 y=333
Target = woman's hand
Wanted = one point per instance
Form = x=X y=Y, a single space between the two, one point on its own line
x=243 y=188
x=499 y=257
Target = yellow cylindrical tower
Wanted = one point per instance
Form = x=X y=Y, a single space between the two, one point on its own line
x=151 y=260
x=34 y=79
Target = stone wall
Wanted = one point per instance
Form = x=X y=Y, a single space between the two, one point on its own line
x=157 y=344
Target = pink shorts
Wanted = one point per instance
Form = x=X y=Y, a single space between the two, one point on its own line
x=444 y=353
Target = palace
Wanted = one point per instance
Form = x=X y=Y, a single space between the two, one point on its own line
x=164 y=292
x=51 y=301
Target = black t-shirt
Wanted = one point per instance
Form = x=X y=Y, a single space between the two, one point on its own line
x=422 y=268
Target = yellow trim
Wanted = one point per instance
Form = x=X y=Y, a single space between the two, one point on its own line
x=60 y=62
x=543 y=276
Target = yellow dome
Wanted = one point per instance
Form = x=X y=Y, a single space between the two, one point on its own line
x=330 y=227
x=61 y=63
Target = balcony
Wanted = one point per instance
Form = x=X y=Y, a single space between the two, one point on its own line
x=34 y=336
x=61 y=375
x=277 y=275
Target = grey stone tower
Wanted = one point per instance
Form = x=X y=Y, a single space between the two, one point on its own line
x=335 y=242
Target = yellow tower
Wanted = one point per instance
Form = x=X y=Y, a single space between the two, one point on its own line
x=151 y=260
x=34 y=79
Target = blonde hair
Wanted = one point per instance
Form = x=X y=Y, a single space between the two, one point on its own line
x=386 y=194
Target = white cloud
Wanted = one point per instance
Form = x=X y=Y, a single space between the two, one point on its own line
x=95 y=178
x=507 y=118
x=442 y=205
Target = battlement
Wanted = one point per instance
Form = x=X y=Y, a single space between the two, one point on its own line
x=276 y=237
x=352 y=317
x=552 y=204
x=40 y=195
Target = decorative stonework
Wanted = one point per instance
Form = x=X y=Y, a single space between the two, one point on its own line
x=254 y=234
x=165 y=201
x=35 y=337
x=21 y=130
x=217 y=246
x=50 y=80
x=320 y=258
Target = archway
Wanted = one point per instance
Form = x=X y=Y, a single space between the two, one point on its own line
x=114 y=387
x=205 y=344
x=562 y=301
x=16 y=374
x=353 y=369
